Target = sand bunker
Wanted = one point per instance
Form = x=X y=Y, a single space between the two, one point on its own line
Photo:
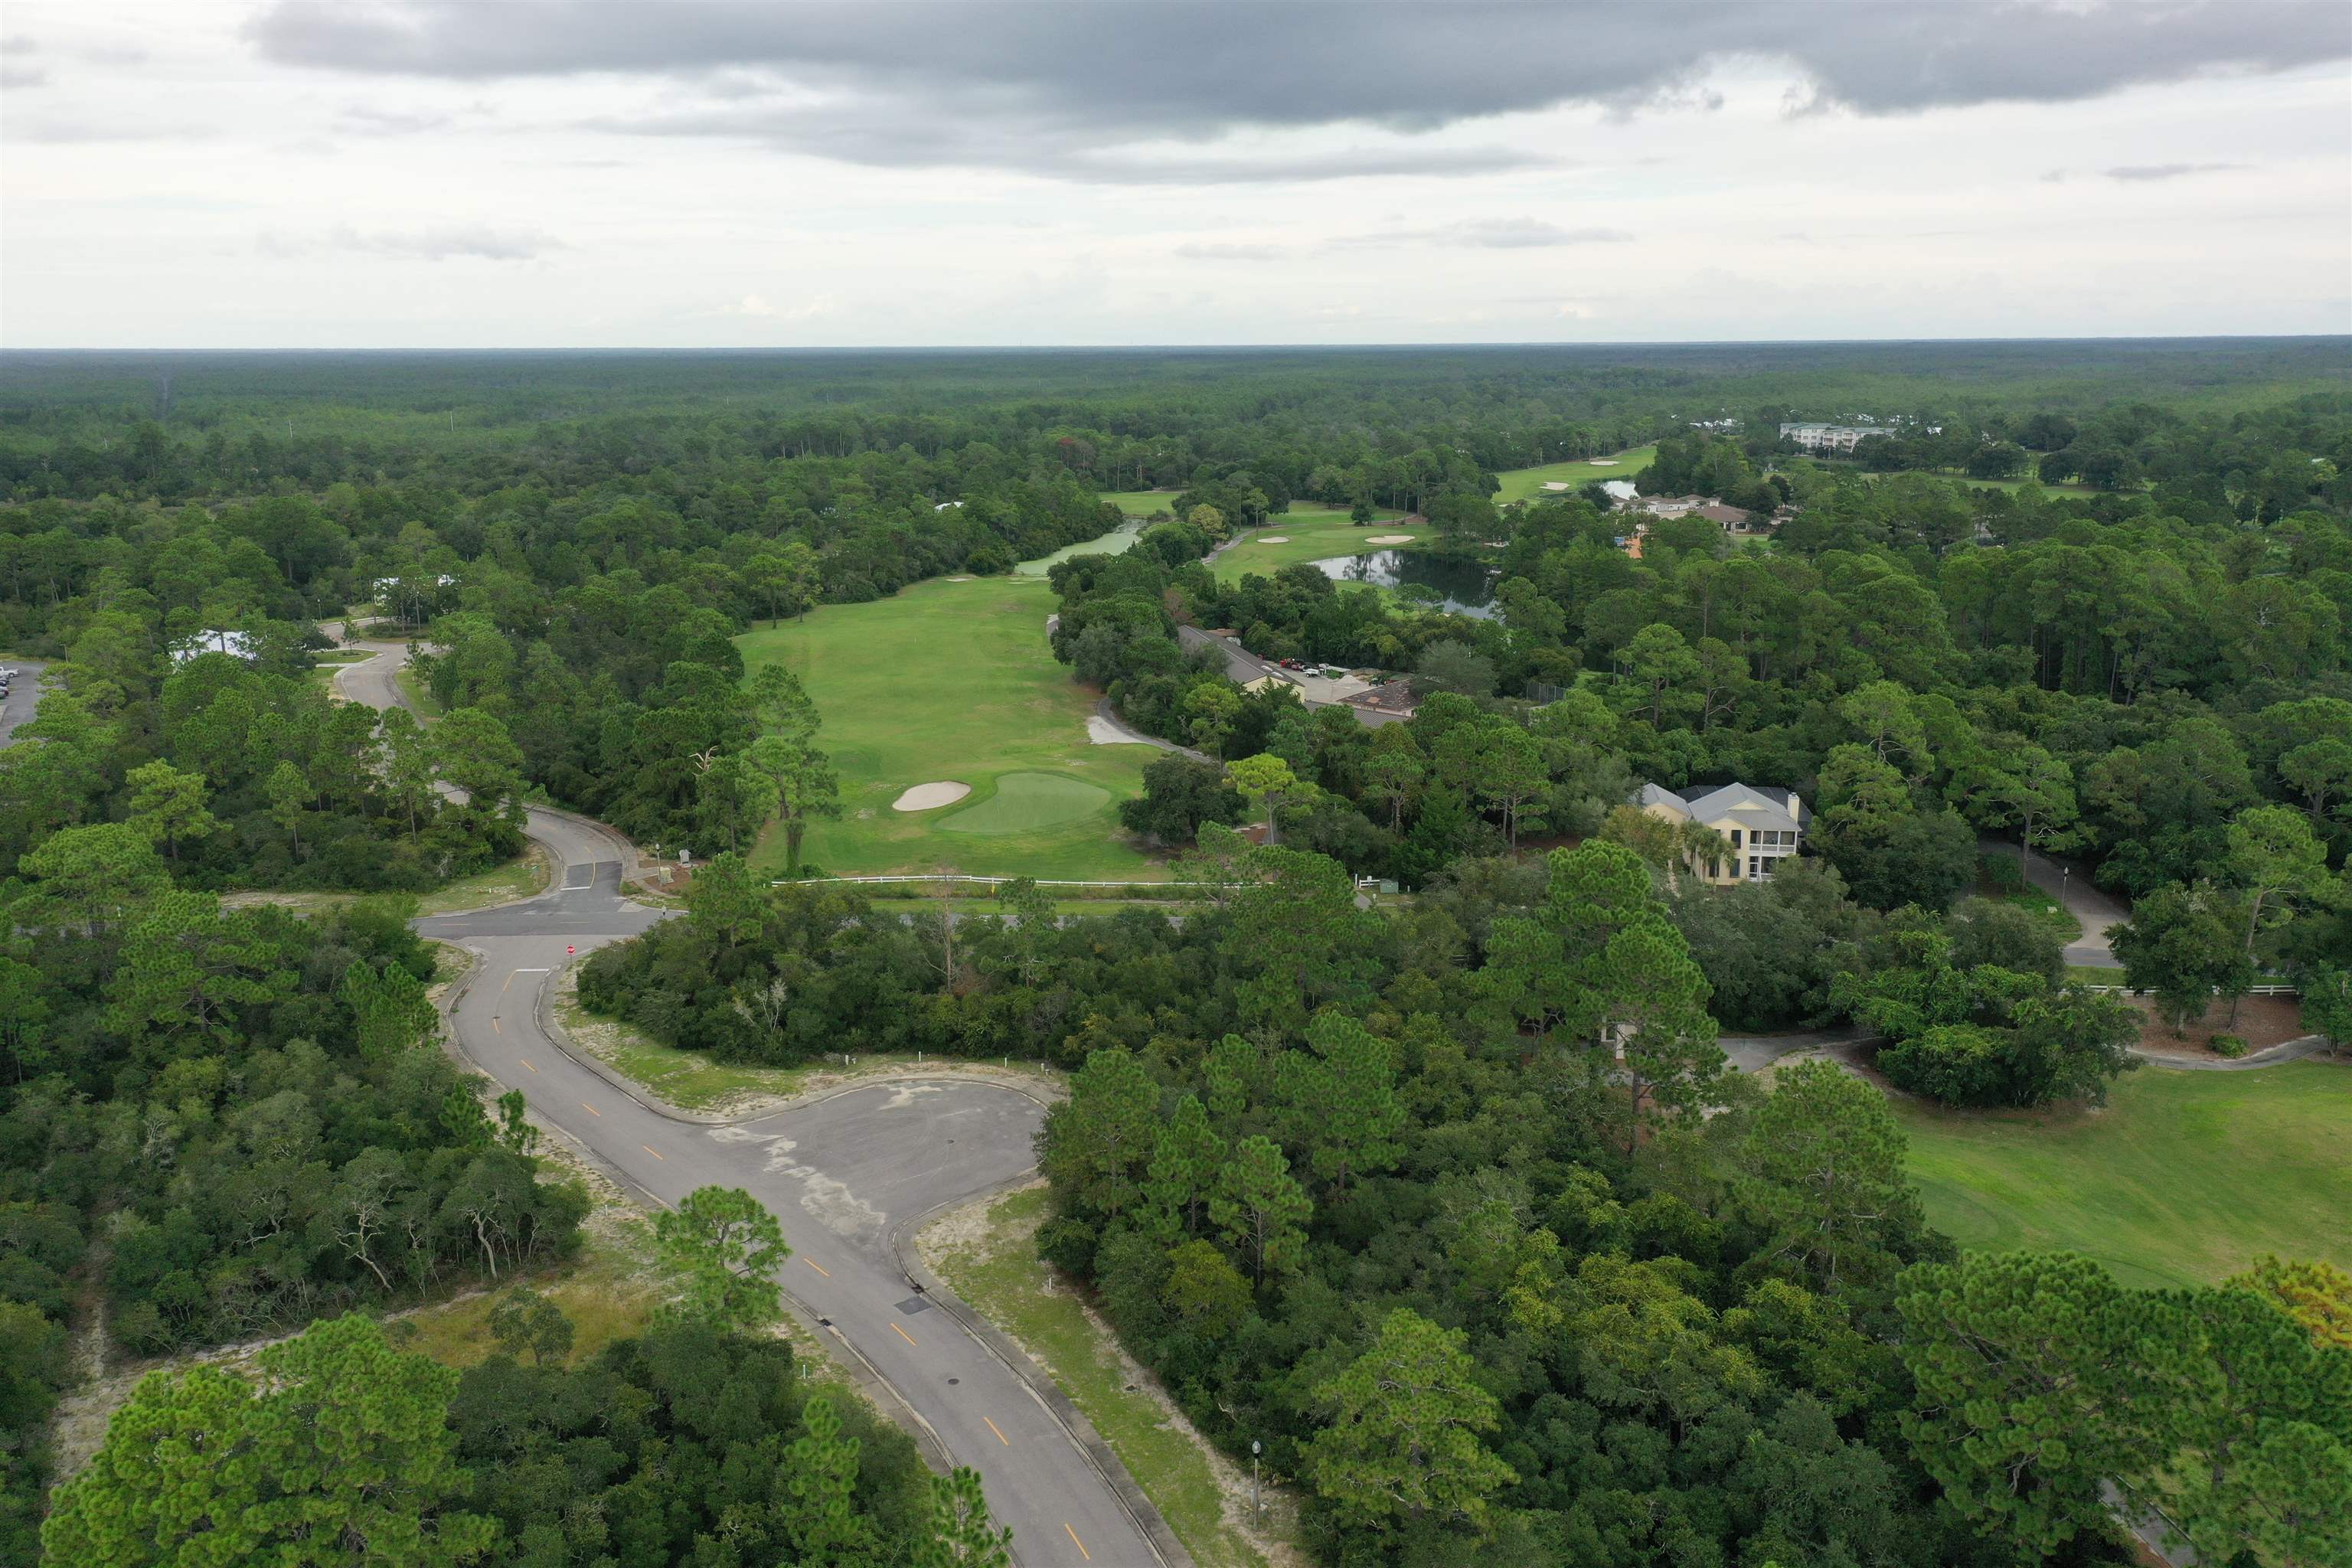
x=1389 y=539
x=931 y=797
x=1273 y=539
x=1555 y=484
x=1600 y=463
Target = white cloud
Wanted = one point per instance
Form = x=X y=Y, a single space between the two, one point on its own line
x=214 y=191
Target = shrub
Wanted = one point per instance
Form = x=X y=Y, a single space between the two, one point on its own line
x=2230 y=1046
x=2001 y=873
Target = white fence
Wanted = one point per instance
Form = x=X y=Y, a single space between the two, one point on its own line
x=979 y=881
x=2250 y=991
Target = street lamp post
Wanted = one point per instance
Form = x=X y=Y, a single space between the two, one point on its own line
x=1255 y=1507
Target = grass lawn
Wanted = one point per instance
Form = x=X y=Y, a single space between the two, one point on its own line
x=416 y=692
x=2185 y=1177
x=1527 y=484
x=1310 y=536
x=1143 y=504
x=998 y=1272
x=609 y=1293
x=955 y=681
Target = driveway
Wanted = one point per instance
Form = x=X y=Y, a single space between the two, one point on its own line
x=2094 y=910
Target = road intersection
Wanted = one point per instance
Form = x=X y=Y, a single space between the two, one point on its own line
x=850 y=1175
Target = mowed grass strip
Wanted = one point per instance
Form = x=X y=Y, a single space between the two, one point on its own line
x=997 y=1272
x=1527 y=484
x=2184 y=1178
x=956 y=680
x=1119 y=542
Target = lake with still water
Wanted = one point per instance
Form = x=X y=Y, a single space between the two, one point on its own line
x=1464 y=587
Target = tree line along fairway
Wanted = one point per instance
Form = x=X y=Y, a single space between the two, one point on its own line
x=956 y=680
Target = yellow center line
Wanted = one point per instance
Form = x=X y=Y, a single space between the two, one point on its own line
x=818 y=1267
x=494 y=1025
x=1000 y=1437
x=1073 y=1538
x=526 y=1061
x=502 y=990
x=653 y=1151
x=902 y=1333
x=590 y=1109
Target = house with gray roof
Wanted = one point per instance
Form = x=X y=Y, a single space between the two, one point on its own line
x=1762 y=825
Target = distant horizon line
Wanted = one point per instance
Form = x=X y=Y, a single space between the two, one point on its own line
x=13 y=352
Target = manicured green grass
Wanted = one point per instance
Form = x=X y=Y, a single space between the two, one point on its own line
x=2184 y=1178
x=2046 y=910
x=1025 y=801
x=1311 y=536
x=1002 y=1279
x=1143 y=504
x=956 y=680
x=1119 y=542
x=1527 y=484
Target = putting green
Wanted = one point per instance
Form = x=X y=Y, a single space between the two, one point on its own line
x=1025 y=801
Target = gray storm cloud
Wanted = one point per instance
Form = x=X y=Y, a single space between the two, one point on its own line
x=1062 y=88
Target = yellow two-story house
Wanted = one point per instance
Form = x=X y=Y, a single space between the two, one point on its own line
x=1761 y=825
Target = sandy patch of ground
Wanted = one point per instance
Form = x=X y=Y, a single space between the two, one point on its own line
x=1103 y=732
x=1600 y=462
x=1389 y=539
x=2262 y=1021
x=963 y=579
x=1273 y=539
x=931 y=797
x=1555 y=484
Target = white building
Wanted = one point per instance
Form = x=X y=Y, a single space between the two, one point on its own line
x=1828 y=438
x=236 y=645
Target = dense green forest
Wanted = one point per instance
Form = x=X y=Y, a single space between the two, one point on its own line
x=1452 y=1204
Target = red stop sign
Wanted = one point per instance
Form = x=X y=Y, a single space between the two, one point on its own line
x=569 y=949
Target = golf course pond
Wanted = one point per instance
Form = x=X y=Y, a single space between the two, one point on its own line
x=1458 y=588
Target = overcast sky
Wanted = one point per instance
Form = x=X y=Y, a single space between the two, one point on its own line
x=313 y=173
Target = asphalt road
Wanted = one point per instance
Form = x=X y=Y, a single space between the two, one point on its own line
x=847 y=1175
x=2093 y=910
x=22 y=699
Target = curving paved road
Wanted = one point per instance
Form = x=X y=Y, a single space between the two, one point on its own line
x=2094 y=910
x=850 y=1175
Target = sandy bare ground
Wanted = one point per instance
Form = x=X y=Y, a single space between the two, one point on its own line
x=931 y=797
x=1389 y=539
x=2262 y=1021
x=1555 y=484
x=1275 y=539
x=1600 y=462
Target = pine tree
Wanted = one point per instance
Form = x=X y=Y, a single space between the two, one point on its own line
x=963 y=1533
x=822 y=1523
x=1259 y=1210
x=1402 y=1437
x=1184 y=1163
